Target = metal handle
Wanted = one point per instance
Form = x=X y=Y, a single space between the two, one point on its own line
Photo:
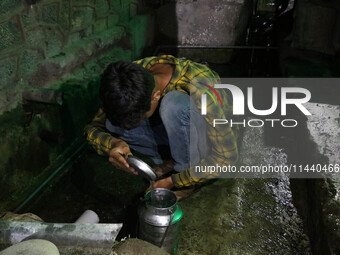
x=166 y=231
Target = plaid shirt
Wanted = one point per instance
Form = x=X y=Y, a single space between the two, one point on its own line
x=189 y=78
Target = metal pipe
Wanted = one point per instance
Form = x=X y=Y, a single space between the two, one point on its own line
x=55 y=172
x=61 y=234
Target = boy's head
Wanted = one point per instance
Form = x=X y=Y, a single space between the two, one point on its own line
x=126 y=93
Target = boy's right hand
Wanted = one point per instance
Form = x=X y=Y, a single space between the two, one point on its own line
x=120 y=150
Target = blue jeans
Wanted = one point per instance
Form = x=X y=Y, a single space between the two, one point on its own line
x=183 y=128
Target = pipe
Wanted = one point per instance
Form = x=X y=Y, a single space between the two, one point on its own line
x=55 y=172
x=88 y=216
x=61 y=234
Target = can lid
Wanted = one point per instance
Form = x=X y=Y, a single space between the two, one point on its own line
x=142 y=168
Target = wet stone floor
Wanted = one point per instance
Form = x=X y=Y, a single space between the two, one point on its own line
x=242 y=216
x=228 y=216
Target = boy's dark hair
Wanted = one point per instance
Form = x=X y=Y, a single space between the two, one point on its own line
x=125 y=92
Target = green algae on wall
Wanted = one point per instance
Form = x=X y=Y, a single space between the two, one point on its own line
x=23 y=153
x=59 y=44
x=41 y=42
x=34 y=134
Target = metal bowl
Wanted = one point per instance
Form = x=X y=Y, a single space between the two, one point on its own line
x=142 y=168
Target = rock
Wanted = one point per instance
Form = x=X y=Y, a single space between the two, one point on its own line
x=135 y=246
x=28 y=217
x=323 y=126
x=32 y=247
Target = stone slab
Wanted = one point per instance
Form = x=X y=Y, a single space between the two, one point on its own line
x=32 y=247
x=135 y=246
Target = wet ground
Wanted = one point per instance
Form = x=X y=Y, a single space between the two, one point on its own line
x=246 y=216
x=229 y=216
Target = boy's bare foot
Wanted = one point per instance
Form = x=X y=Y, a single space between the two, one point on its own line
x=165 y=168
x=185 y=193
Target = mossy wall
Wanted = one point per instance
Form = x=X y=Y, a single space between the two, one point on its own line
x=63 y=46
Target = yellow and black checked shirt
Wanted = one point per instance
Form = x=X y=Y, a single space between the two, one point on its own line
x=188 y=77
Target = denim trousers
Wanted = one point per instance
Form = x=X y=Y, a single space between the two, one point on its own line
x=183 y=129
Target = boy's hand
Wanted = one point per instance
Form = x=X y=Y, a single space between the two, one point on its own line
x=165 y=183
x=118 y=154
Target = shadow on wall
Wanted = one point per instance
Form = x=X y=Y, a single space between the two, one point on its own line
x=165 y=25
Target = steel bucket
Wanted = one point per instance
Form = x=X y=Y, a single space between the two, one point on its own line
x=159 y=219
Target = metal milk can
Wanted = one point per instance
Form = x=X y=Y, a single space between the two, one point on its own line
x=159 y=218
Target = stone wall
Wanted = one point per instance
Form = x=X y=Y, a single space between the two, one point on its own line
x=206 y=23
x=55 y=47
x=42 y=41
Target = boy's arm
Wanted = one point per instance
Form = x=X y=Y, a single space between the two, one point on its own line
x=105 y=144
x=97 y=135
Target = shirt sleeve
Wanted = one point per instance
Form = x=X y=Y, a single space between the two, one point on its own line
x=97 y=135
x=222 y=138
x=145 y=62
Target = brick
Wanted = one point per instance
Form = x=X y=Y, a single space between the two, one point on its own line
x=82 y=17
x=29 y=62
x=64 y=20
x=10 y=99
x=8 y=69
x=29 y=17
x=87 y=31
x=50 y=40
x=100 y=25
x=115 y=5
x=49 y=13
x=35 y=38
x=9 y=35
x=73 y=39
x=102 y=8
x=54 y=42
x=83 y=2
x=84 y=33
x=108 y=37
x=112 y=20
x=89 y=49
x=8 y=5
